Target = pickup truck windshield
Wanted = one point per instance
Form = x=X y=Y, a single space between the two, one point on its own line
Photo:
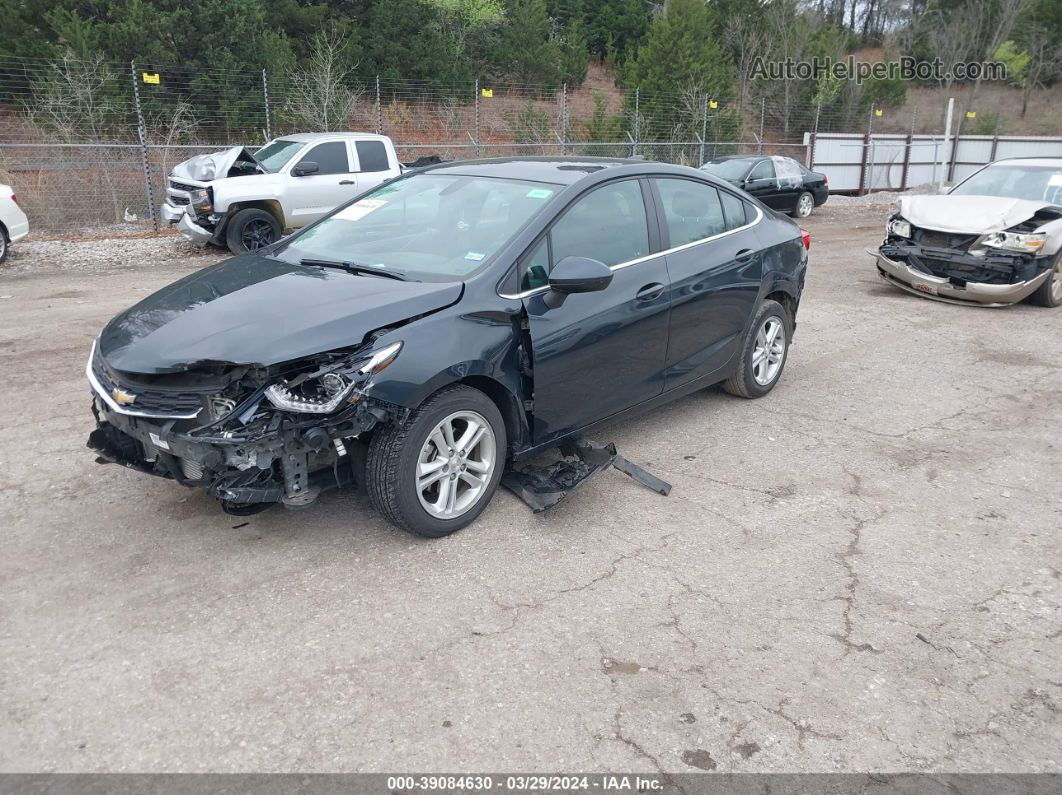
x=425 y=227
x=274 y=155
x=1038 y=183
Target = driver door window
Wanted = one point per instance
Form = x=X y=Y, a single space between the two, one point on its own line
x=331 y=158
x=762 y=170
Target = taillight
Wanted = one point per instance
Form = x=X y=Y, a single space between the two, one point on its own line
x=825 y=179
x=805 y=238
x=14 y=198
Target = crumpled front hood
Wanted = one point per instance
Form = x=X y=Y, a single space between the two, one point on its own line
x=198 y=168
x=968 y=214
x=261 y=311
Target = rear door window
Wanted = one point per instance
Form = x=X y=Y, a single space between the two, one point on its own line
x=692 y=210
x=762 y=170
x=735 y=210
x=372 y=156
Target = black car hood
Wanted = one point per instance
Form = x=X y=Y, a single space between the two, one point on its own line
x=261 y=311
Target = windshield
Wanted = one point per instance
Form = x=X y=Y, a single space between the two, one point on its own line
x=728 y=169
x=427 y=227
x=1038 y=183
x=275 y=154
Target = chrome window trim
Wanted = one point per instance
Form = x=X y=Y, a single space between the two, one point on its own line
x=665 y=252
x=98 y=389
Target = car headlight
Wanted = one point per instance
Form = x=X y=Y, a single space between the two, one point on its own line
x=323 y=391
x=201 y=202
x=1013 y=241
x=898 y=227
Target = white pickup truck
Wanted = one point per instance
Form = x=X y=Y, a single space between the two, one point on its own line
x=246 y=201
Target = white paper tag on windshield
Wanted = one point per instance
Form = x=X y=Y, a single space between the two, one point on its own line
x=359 y=209
x=1056 y=179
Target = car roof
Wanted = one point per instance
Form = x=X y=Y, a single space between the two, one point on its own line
x=558 y=170
x=307 y=137
x=1028 y=161
x=737 y=157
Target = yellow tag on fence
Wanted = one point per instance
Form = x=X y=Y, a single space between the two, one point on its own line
x=151 y=77
x=971 y=114
x=487 y=92
x=713 y=104
x=878 y=112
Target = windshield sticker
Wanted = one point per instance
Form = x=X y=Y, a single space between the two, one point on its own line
x=539 y=193
x=359 y=209
x=474 y=256
x=1056 y=179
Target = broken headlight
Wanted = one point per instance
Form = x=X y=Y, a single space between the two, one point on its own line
x=1013 y=241
x=898 y=227
x=201 y=201
x=324 y=390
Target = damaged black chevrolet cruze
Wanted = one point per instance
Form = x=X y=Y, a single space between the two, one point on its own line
x=443 y=326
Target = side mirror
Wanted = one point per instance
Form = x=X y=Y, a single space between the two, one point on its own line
x=305 y=168
x=576 y=275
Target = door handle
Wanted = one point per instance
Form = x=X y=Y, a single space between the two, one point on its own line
x=347 y=182
x=650 y=292
x=744 y=255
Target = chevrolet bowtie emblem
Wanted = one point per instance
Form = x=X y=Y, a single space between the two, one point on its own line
x=121 y=397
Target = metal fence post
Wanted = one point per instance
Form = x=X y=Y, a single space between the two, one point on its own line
x=763 y=114
x=810 y=157
x=379 y=109
x=637 y=121
x=265 y=96
x=141 y=130
x=477 y=117
x=704 y=129
x=947 y=137
x=564 y=119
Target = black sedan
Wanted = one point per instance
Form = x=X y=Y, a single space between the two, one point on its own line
x=442 y=326
x=779 y=182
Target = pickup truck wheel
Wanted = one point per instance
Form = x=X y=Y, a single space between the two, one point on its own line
x=764 y=353
x=435 y=473
x=1050 y=292
x=251 y=229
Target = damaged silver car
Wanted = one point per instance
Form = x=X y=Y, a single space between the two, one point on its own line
x=995 y=239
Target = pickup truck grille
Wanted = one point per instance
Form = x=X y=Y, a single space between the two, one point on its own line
x=181 y=186
x=155 y=402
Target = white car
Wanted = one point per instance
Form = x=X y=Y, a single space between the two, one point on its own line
x=995 y=239
x=13 y=222
x=246 y=201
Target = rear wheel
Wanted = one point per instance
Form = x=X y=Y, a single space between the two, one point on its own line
x=763 y=354
x=1050 y=292
x=804 y=205
x=3 y=243
x=251 y=229
x=436 y=473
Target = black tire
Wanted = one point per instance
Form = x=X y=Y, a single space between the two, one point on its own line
x=1050 y=292
x=4 y=245
x=803 y=206
x=743 y=383
x=251 y=229
x=390 y=472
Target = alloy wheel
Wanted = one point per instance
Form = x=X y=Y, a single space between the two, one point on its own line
x=805 y=205
x=768 y=352
x=1056 y=282
x=256 y=233
x=3 y=245
x=456 y=464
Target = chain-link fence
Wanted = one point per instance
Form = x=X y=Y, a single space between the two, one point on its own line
x=90 y=142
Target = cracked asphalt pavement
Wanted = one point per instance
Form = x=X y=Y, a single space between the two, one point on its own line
x=860 y=572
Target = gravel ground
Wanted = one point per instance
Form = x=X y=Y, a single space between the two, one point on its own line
x=860 y=572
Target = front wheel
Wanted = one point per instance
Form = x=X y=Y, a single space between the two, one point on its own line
x=804 y=205
x=1050 y=292
x=251 y=229
x=764 y=353
x=435 y=473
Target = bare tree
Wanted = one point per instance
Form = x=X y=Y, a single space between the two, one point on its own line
x=323 y=97
x=1045 y=59
x=952 y=39
x=166 y=131
x=747 y=40
x=75 y=100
